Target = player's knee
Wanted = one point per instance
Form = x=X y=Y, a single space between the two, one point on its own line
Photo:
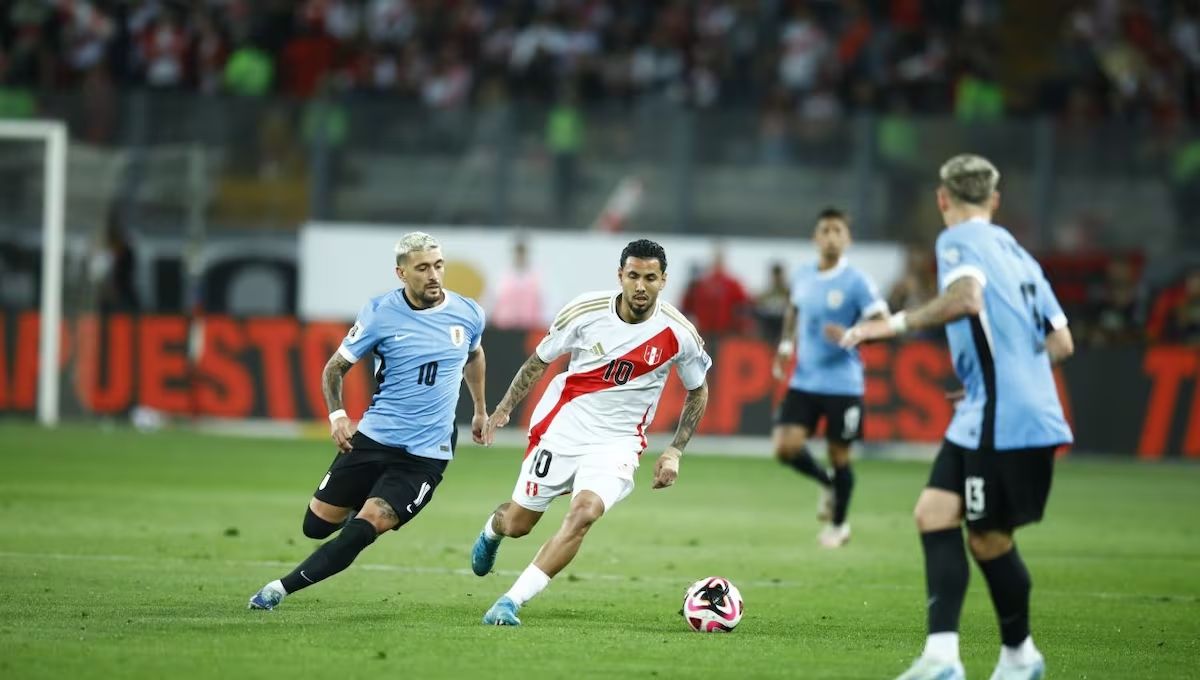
x=988 y=545
x=578 y=524
x=380 y=514
x=316 y=527
x=933 y=516
x=938 y=509
x=580 y=518
x=785 y=452
x=839 y=455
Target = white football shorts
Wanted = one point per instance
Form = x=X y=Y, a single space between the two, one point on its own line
x=546 y=475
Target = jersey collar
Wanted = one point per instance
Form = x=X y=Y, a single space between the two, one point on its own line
x=830 y=273
x=436 y=308
x=612 y=308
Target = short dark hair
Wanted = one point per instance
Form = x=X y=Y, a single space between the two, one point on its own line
x=832 y=213
x=645 y=249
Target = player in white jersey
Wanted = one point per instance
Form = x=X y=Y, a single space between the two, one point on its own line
x=588 y=430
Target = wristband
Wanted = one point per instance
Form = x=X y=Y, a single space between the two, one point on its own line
x=340 y=413
x=786 y=346
x=899 y=322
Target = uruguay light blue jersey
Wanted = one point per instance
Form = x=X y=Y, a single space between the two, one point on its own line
x=1000 y=355
x=844 y=296
x=419 y=360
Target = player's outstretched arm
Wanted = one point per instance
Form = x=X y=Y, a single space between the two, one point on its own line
x=474 y=374
x=341 y=428
x=528 y=375
x=666 y=470
x=964 y=297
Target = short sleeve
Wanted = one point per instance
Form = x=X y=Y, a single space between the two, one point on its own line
x=693 y=362
x=1049 y=308
x=363 y=335
x=558 y=341
x=477 y=339
x=957 y=259
x=870 y=302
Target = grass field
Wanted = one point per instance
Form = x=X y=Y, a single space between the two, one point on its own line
x=130 y=555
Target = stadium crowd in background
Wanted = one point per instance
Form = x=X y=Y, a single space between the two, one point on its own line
x=800 y=60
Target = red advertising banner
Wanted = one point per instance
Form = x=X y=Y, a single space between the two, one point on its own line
x=1136 y=400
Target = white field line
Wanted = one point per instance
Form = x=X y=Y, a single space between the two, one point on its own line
x=664 y=580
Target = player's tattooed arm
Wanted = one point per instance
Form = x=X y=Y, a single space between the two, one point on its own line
x=341 y=429
x=689 y=418
x=962 y=298
x=331 y=380
x=528 y=375
x=666 y=468
x=531 y=371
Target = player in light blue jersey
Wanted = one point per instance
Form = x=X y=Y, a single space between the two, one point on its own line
x=1005 y=329
x=424 y=340
x=827 y=297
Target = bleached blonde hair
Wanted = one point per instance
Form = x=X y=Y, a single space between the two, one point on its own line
x=970 y=178
x=414 y=242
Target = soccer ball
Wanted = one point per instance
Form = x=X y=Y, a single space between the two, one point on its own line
x=713 y=605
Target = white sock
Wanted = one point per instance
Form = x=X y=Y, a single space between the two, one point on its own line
x=488 y=532
x=277 y=585
x=531 y=582
x=942 y=647
x=1021 y=655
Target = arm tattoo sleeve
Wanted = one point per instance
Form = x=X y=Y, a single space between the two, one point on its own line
x=689 y=418
x=526 y=378
x=331 y=380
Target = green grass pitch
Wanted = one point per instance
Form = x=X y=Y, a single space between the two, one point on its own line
x=132 y=555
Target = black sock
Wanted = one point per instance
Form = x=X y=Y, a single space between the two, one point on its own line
x=843 y=485
x=1009 y=583
x=331 y=557
x=803 y=463
x=946 y=574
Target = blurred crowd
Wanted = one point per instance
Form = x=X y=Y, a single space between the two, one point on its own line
x=1108 y=300
x=791 y=59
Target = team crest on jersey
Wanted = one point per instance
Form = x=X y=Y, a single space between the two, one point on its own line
x=835 y=298
x=652 y=355
x=458 y=335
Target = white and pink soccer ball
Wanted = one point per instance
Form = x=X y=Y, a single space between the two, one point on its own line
x=713 y=605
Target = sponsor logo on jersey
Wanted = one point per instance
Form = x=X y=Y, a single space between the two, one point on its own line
x=652 y=355
x=355 y=330
x=598 y=349
x=458 y=335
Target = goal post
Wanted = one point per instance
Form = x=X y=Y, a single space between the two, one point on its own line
x=53 y=136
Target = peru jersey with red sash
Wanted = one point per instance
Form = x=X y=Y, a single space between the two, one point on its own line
x=607 y=397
